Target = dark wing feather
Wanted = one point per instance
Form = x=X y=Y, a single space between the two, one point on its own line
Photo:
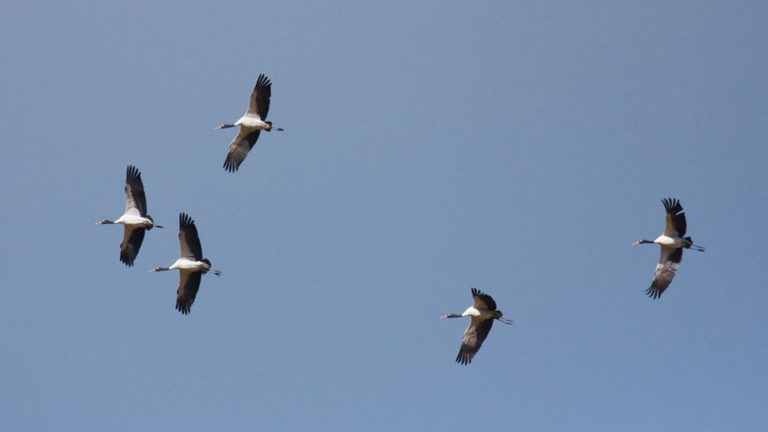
x=665 y=271
x=188 y=239
x=473 y=339
x=189 y=283
x=260 y=97
x=129 y=247
x=483 y=300
x=239 y=149
x=134 y=191
x=675 y=226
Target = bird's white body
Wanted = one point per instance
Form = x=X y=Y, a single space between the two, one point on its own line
x=185 y=263
x=251 y=122
x=133 y=218
x=478 y=313
x=665 y=240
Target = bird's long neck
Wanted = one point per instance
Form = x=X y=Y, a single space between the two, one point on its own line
x=224 y=126
x=156 y=269
x=452 y=316
x=643 y=241
x=105 y=221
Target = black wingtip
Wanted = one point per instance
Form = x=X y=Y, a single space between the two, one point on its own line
x=653 y=292
x=132 y=173
x=262 y=82
x=183 y=308
x=672 y=205
x=185 y=220
x=230 y=165
x=463 y=358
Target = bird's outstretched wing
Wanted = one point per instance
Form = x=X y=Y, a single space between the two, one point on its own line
x=133 y=236
x=262 y=92
x=135 y=200
x=483 y=300
x=238 y=150
x=473 y=339
x=189 y=242
x=668 y=264
x=189 y=283
x=675 y=226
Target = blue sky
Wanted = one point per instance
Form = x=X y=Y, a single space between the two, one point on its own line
x=516 y=147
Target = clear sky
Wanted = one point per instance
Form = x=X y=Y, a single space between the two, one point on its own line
x=429 y=147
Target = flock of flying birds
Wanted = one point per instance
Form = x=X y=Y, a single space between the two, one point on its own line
x=192 y=265
x=136 y=221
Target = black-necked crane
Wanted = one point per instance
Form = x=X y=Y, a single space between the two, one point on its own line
x=672 y=243
x=191 y=264
x=251 y=124
x=135 y=220
x=482 y=314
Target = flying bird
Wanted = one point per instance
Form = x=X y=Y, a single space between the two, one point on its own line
x=191 y=264
x=135 y=220
x=672 y=243
x=482 y=314
x=251 y=124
